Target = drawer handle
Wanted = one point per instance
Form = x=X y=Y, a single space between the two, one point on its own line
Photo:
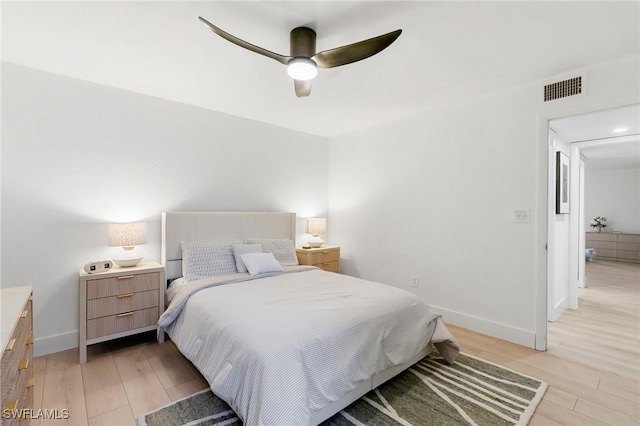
x=326 y=263
x=31 y=382
x=30 y=340
x=10 y=344
x=120 y=296
x=325 y=252
x=126 y=314
x=125 y=277
x=24 y=314
x=11 y=405
x=24 y=363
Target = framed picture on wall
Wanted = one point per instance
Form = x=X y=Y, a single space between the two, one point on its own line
x=562 y=183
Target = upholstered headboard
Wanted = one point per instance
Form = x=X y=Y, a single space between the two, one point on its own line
x=218 y=226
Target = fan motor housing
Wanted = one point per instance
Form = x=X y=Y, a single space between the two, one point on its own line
x=303 y=42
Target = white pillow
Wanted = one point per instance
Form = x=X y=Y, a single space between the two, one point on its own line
x=240 y=249
x=283 y=249
x=261 y=263
x=201 y=260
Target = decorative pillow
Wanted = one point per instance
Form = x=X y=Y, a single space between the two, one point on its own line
x=240 y=249
x=261 y=263
x=283 y=249
x=201 y=260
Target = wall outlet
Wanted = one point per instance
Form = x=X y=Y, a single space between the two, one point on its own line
x=414 y=281
x=522 y=216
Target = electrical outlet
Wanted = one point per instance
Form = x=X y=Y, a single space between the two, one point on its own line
x=414 y=281
x=522 y=216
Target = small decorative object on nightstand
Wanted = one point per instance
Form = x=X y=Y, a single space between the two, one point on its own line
x=327 y=257
x=118 y=303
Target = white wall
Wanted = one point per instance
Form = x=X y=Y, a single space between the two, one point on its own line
x=614 y=194
x=434 y=196
x=77 y=155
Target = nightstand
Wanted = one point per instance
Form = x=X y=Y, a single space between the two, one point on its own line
x=325 y=257
x=119 y=302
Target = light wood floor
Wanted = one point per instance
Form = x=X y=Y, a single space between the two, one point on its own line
x=592 y=366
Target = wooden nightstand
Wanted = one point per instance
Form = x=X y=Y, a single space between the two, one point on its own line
x=120 y=302
x=325 y=257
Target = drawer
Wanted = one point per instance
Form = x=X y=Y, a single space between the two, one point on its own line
x=124 y=302
x=628 y=246
x=125 y=321
x=597 y=236
x=628 y=255
x=21 y=347
x=106 y=287
x=629 y=238
x=324 y=256
x=607 y=245
x=329 y=266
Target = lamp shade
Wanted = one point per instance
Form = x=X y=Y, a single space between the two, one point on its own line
x=317 y=226
x=127 y=234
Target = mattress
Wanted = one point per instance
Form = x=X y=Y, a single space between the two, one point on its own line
x=279 y=348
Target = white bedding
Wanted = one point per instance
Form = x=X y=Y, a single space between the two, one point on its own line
x=277 y=349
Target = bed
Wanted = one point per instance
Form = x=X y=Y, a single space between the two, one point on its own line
x=285 y=344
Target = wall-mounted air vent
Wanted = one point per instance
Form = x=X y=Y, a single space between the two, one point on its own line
x=562 y=89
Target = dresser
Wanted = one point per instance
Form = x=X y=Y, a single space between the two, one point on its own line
x=614 y=246
x=17 y=353
x=326 y=257
x=119 y=302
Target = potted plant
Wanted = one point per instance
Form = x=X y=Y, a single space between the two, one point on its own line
x=598 y=222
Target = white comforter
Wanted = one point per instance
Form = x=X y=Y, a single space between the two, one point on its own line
x=277 y=349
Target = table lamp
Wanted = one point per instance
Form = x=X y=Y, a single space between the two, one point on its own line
x=127 y=236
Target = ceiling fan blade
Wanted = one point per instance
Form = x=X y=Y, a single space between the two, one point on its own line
x=303 y=88
x=252 y=47
x=355 y=52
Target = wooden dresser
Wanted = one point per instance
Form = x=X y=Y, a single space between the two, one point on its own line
x=614 y=246
x=17 y=353
x=119 y=302
x=326 y=257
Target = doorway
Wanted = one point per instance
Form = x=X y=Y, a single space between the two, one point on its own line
x=608 y=138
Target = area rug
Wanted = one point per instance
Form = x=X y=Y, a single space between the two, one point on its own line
x=431 y=392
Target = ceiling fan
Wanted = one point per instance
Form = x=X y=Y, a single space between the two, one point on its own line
x=303 y=60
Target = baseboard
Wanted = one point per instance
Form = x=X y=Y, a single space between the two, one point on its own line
x=490 y=328
x=56 y=343
x=558 y=310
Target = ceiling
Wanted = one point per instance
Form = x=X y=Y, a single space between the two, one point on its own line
x=449 y=51
x=609 y=139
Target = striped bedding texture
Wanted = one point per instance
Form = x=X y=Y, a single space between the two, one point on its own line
x=278 y=349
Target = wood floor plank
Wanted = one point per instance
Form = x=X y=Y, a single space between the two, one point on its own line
x=188 y=388
x=143 y=387
x=564 y=416
x=103 y=387
x=63 y=389
x=604 y=414
x=39 y=368
x=121 y=416
x=166 y=363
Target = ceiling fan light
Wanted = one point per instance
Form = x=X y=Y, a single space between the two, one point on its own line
x=302 y=69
